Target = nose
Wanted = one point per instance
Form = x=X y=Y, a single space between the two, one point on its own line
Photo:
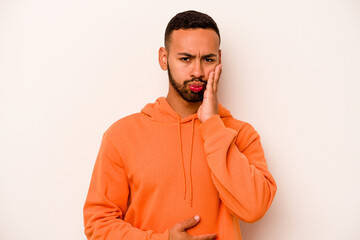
x=197 y=71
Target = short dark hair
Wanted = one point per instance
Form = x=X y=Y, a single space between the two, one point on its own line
x=190 y=20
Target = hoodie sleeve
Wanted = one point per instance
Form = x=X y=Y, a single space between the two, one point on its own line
x=238 y=168
x=107 y=200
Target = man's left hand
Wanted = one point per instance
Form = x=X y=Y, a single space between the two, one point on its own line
x=209 y=106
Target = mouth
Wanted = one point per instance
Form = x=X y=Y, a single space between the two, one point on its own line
x=196 y=87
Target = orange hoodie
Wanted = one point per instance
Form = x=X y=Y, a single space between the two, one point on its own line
x=155 y=169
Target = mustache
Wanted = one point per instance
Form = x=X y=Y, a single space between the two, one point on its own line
x=195 y=80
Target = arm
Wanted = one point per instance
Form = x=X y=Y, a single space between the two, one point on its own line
x=236 y=160
x=107 y=200
x=239 y=169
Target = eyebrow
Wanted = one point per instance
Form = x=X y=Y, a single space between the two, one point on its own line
x=193 y=56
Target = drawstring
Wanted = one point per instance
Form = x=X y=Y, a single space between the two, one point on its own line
x=182 y=159
x=191 y=151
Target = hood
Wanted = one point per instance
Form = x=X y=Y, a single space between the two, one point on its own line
x=161 y=111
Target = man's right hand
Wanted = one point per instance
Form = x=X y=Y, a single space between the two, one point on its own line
x=177 y=232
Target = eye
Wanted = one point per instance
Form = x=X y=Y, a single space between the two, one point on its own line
x=185 y=59
x=209 y=60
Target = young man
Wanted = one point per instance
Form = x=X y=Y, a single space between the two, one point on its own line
x=182 y=168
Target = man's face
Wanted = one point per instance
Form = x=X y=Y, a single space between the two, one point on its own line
x=191 y=55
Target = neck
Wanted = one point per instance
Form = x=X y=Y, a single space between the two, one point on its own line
x=181 y=106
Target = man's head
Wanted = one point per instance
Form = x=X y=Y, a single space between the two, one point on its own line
x=191 y=52
x=190 y=20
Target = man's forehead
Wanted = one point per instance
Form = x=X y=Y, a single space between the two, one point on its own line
x=194 y=40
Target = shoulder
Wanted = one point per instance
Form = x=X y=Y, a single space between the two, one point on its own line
x=238 y=125
x=246 y=133
x=241 y=127
x=124 y=125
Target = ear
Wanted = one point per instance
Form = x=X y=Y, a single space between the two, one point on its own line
x=219 y=56
x=163 y=58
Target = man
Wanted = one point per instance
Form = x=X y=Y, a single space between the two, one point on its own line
x=182 y=168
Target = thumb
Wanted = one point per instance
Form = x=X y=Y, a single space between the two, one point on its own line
x=188 y=223
x=199 y=112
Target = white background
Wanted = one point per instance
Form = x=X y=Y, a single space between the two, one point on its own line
x=70 y=68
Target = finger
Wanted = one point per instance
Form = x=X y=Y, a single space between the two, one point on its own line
x=199 y=110
x=207 y=93
x=188 y=223
x=205 y=237
x=218 y=71
x=210 y=83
